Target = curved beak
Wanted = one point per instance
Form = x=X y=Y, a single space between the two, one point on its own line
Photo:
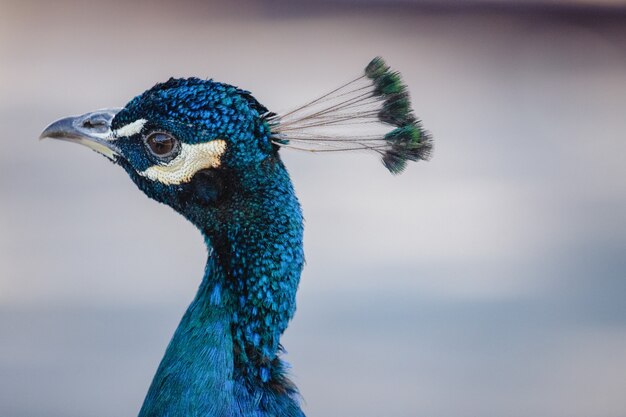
x=90 y=129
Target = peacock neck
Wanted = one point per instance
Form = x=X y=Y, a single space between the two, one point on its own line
x=195 y=377
x=224 y=357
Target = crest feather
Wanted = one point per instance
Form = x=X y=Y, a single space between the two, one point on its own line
x=358 y=116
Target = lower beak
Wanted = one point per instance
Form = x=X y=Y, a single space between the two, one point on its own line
x=90 y=129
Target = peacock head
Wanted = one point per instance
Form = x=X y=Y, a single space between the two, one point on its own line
x=185 y=142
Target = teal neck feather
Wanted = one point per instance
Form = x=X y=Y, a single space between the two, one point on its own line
x=198 y=361
x=224 y=357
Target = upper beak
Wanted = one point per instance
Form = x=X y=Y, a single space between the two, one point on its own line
x=90 y=129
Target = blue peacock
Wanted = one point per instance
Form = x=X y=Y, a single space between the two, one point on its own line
x=211 y=152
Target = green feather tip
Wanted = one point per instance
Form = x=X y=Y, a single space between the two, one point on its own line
x=376 y=68
x=409 y=135
x=389 y=83
x=396 y=110
x=394 y=162
x=409 y=143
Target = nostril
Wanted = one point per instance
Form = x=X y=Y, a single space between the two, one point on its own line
x=95 y=123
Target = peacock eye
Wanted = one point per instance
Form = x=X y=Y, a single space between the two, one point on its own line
x=162 y=144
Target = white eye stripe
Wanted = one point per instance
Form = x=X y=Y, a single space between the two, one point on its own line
x=191 y=159
x=129 y=129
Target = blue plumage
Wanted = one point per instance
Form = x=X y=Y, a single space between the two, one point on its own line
x=211 y=152
x=253 y=226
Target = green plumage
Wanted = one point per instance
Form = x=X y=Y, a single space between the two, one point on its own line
x=389 y=83
x=376 y=68
x=397 y=110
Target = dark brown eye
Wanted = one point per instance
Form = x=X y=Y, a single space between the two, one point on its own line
x=161 y=144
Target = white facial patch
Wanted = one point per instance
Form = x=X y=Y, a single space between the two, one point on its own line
x=191 y=159
x=128 y=130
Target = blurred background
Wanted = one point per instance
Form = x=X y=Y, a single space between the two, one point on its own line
x=490 y=281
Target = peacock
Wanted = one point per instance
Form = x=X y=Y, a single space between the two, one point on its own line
x=210 y=151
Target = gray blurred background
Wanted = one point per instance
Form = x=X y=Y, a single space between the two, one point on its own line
x=488 y=282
